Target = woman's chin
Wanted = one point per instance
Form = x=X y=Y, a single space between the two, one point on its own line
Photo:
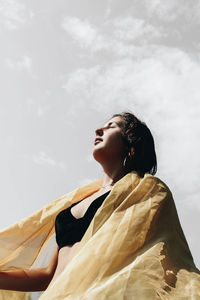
x=95 y=155
x=98 y=155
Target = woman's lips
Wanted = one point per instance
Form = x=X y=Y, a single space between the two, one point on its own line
x=97 y=140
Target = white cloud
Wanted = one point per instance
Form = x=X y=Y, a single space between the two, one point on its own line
x=12 y=14
x=44 y=159
x=172 y=10
x=83 y=32
x=130 y=29
x=120 y=36
x=82 y=77
x=25 y=63
x=166 y=69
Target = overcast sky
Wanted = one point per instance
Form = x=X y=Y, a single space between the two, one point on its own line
x=67 y=66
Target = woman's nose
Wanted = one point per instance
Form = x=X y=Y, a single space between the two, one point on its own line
x=99 y=131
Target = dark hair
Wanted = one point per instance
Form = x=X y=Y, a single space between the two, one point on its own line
x=137 y=136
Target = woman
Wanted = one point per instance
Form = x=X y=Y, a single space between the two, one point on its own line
x=122 y=240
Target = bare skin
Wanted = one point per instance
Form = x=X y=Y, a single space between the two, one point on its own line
x=109 y=151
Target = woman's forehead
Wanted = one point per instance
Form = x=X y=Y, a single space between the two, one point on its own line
x=116 y=120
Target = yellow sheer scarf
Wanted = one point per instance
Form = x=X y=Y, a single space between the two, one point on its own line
x=134 y=247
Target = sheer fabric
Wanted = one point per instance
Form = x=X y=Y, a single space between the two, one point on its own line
x=134 y=247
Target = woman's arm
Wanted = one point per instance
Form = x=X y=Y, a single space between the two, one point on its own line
x=29 y=280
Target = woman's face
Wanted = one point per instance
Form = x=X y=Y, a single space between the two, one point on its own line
x=108 y=143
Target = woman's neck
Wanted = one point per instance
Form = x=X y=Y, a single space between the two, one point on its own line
x=112 y=174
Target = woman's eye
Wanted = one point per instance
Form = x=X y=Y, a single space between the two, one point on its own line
x=108 y=126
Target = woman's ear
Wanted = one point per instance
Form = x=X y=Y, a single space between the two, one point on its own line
x=131 y=152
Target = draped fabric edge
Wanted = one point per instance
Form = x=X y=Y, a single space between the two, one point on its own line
x=136 y=207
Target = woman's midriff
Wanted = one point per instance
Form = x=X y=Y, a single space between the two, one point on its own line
x=64 y=256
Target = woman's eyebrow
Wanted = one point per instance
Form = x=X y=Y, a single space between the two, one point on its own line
x=108 y=124
x=111 y=123
x=115 y=123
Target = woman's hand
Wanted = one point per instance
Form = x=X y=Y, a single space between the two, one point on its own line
x=28 y=280
x=25 y=280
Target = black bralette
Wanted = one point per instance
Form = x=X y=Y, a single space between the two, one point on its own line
x=69 y=229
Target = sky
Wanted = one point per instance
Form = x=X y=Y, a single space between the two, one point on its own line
x=67 y=66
